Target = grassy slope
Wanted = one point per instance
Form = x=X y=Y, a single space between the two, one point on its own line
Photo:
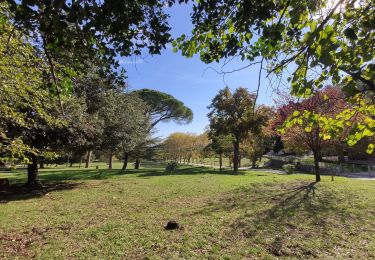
x=103 y=214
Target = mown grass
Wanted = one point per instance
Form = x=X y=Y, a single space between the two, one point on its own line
x=102 y=214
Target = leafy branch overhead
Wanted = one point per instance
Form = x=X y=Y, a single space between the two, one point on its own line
x=324 y=40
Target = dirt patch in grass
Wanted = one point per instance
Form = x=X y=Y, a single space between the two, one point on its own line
x=18 y=244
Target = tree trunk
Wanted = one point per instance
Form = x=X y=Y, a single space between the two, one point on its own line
x=110 y=161
x=32 y=174
x=137 y=163
x=253 y=163
x=316 y=163
x=41 y=166
x=236 y=149
x=126 y=158
x=71 y=164
x=88 y=159
x=220 y=161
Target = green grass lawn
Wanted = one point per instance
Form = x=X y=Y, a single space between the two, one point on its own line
x=102 y=214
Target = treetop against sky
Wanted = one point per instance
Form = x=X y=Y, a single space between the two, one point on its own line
x=189 y=79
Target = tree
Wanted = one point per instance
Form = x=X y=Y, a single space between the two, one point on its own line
x=320 y=40
x=125 y=123
x=303 y=133
x=221 y=145
x=234 y=114
x=163 y=107
x=27 y=108
x=77 y=33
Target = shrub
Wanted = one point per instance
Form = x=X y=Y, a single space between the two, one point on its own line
x=11 y=168
x=171 y=166
x=289 y=168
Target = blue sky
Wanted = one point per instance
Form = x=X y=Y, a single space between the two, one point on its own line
x=188 y=79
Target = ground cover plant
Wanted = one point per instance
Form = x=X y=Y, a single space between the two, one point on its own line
x=89 y=213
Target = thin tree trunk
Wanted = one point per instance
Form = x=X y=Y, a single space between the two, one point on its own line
x=220 y=161
x=137 y=163
x=41 y=165
x=110 y=161
x=71 y=164
x=126 y=158
x=236 y=149
x=88 y=159
x=316 y=163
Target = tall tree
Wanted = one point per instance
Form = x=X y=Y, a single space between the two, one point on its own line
x=162 y=107
x=125 y=123
x=221 y=145
x=234 y=114
x=303 y=133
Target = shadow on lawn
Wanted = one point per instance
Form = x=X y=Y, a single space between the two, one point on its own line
x=282 y=213
x=21 y=192
x=189 y=171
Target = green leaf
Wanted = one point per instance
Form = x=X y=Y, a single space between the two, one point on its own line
x=370 y=148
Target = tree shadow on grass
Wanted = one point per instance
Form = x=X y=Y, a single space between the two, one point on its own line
x=22 y=192
x=281 y=216
x=188 y=171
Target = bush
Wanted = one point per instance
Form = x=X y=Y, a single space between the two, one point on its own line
x=171 y=166
x=289 y=168
x=11 y=168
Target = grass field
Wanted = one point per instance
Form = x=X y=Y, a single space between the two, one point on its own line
x=102 y=214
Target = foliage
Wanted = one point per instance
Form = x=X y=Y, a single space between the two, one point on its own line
x=301 y=124
x=289 y=168
x=163 y=107
x=185 y=146
x=254 y=146
x=25 y=102
x=125 y=123
x=171 y=166
x=77 y=33
x=332 y=37
x=236 y=115
x=318 y=41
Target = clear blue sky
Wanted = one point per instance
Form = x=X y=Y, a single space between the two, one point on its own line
x=188 y=79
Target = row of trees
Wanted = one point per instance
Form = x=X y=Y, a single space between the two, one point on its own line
x=311 y=43
x=239 y=128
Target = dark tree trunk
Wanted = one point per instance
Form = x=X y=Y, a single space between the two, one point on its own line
x=126 y=158
x=32 y=174
x=88 y=159
x=220 y=161
x=239 y=161
x=316 y=163
x=41 y=165
x=71 y=164
x=137 y=163
x=236 y=149
x=110 y=161
x=253 y=164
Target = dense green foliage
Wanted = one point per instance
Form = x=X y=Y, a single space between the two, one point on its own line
x=235 y=114
x=163 y=107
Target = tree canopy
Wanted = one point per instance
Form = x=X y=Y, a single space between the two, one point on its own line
x=164 y=107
